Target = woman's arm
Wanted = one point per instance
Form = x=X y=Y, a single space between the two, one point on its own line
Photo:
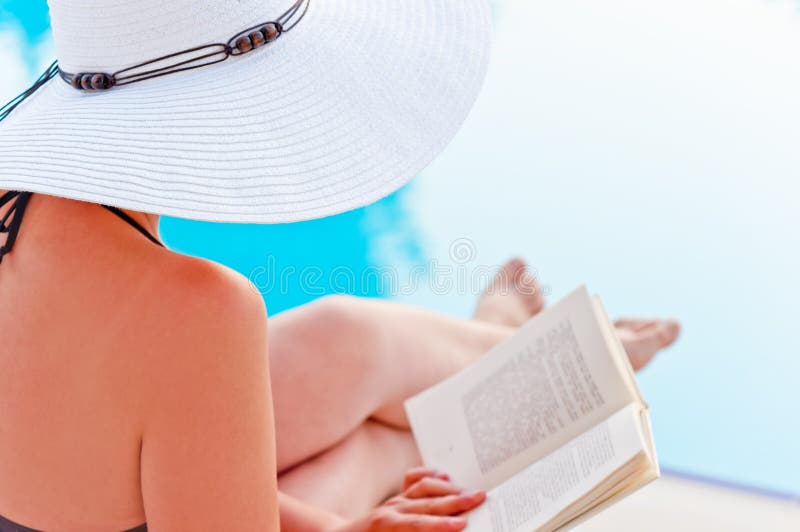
x=208 y=444
x=429 y=503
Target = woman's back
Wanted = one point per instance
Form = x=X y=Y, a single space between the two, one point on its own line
x=101 y=333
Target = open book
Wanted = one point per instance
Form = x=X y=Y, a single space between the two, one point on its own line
x=550 y=423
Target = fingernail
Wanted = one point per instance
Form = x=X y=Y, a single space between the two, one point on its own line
x=457 y=522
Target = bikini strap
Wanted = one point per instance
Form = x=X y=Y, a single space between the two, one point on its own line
x=122 y=214
x=12 y=228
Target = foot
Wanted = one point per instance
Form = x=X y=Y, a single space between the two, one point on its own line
x=512 y=297
x=642 y=339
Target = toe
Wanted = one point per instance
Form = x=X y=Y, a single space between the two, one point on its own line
x=506 y=277
x=659 y=333
x=514 y=270
x=668 y=331
x=643 y=341
x=533 y=297
x=634 y=324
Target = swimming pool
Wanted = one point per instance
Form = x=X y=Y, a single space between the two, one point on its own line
x=646 y=149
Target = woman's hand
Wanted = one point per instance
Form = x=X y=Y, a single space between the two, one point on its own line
x=429 y=503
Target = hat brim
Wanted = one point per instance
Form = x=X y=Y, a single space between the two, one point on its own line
x=337 y=113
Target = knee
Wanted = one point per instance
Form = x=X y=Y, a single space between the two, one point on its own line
x=332 y=315
x=345 y=326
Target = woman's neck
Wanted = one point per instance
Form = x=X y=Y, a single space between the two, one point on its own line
x=147 y=220
x=65 y=210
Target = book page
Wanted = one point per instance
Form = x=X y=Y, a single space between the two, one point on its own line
x=551 y=381
x=617 y=349
x=537 y=494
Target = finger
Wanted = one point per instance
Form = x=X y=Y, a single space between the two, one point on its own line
x=447 y=505
x=418 y=473
x=430 y=523
x=431 y=487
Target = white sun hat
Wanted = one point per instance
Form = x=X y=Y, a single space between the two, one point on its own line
x=342 y=109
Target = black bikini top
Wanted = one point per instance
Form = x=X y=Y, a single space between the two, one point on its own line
x=12 y=228
x=8 y=526
x=17 y=210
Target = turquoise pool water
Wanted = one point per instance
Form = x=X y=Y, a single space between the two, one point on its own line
x=647 y=149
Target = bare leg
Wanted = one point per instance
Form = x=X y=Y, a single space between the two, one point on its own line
x=355 y=475
x=343 y=364
x=340 y=361
x=342 y=384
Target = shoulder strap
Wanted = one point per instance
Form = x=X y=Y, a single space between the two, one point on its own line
x=17 y=210
x=122 y=214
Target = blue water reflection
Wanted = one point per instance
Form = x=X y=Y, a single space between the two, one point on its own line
x=292 y=264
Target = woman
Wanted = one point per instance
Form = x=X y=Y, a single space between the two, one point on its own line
x=135 y=383
x=125 y=396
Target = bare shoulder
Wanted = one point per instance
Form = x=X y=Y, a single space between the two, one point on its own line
x=209 y=291
x=202 y=316
x=200 y=292
x=207 y=451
